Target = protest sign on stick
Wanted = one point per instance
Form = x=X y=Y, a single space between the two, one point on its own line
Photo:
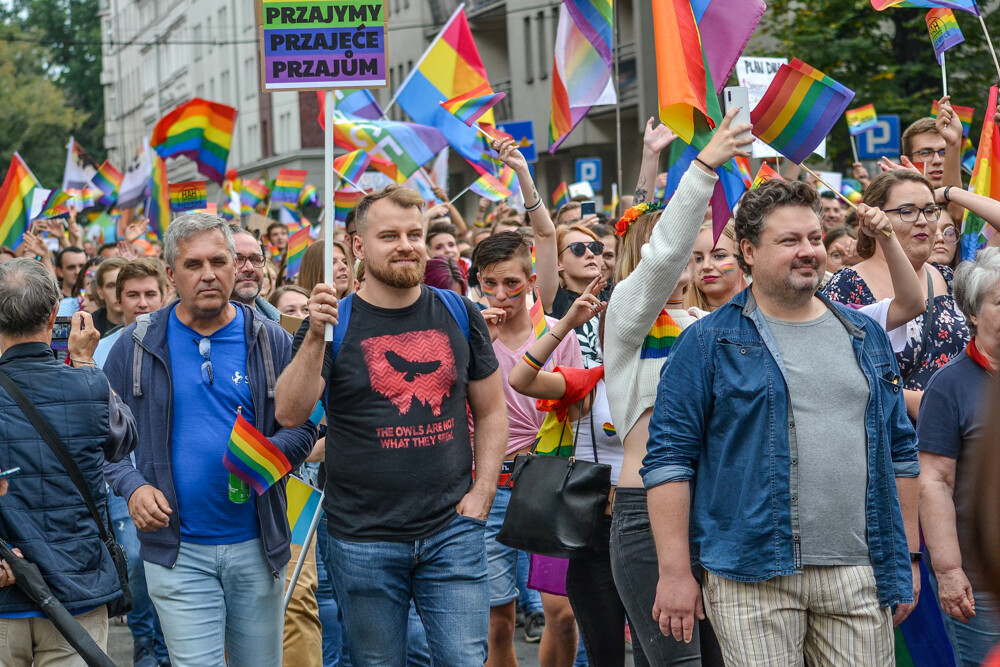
x=323 y=45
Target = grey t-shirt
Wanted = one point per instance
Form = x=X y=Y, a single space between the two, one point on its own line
x=829 y=395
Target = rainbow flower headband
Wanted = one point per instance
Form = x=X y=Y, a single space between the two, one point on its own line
x=623 y=225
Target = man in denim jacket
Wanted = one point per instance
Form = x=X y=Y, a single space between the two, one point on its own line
x=778 y=440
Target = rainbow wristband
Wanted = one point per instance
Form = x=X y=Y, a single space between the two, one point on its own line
x=531 y=361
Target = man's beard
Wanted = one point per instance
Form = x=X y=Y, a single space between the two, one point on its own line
x=246 y=294
x=398 y=277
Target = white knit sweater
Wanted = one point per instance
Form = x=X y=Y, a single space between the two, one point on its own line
x=638 y=300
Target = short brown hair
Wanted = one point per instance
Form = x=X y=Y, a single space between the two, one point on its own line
x=926 y=125
x=566 y=208
x=758 y=203
x=144 y=267
x=283 y=290
x=397 y=194
x=877 y=194
x=501 y=247
x=105 y=267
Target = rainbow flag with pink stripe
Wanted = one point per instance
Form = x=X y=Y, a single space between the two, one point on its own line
x=469 y=107
x=352 y=165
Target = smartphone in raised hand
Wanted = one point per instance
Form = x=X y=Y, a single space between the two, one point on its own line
x=739 y=97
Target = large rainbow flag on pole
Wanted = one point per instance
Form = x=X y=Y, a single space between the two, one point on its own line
x=961 y=5
x=15 y=202
x=200 y=130
x=253 y=458
x=985 y=181
x=581 y=68
x=799 y=109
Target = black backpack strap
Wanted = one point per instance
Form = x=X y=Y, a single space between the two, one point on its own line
x=58 y=448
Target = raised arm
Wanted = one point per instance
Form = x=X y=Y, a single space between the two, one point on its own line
x=546 y=253
x=949 y=126
x=456 y=217
x=986 y=208
x=301 y=384
x=654 y=141
x=908 y=298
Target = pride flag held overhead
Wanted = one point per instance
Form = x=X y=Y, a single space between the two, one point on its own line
x=107 y=180
x=861 y=119
x=158 y=207
x=253 y=458
x=489 y=187
x=344 y=201
x=352 y=165
x=303 y=501
x=961 y=5
x=965 y=115
x=581 y=69
x=297 y=244
x=985 y=181
x=765 y=174
x=725 y=27
x=944 y=31
x=16 y=194
x=54 y=205
x=200 y=130
x=560 y=196
x=309 y=196
x=253 y=194
x=799 y=109
x=469 y=107
x=287 y=187
x=188 y=196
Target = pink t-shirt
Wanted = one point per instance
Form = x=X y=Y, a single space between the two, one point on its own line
x=524 y=420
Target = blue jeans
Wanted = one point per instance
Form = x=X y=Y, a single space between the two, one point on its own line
x=444 y=574
x=502 y=559
x=218 y=602
x=971 y=642
x=328 y=610
x=142 y=620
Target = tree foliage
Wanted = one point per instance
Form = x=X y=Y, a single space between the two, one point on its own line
x=886 y=58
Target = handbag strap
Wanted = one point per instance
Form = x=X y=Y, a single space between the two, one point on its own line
x=928 y=314
x=593 y=436
x=48 y=434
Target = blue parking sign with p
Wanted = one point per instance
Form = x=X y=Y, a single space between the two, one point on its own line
x=881 y=140
x=589 y=169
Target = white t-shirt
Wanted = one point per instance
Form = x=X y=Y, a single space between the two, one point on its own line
x=609 y=446
x=879 y=311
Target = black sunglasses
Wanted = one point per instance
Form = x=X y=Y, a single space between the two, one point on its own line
x=579 y=248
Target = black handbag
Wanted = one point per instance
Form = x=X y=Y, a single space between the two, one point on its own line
x=557 y=505
x=118 y=606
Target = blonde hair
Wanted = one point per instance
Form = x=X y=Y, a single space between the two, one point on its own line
x=694 y=297
x=629 y=249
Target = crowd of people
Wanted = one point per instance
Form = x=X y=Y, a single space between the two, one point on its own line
x=794 y=413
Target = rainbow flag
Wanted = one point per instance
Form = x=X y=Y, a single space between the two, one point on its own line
x=661 y=338
x=356 y=103
x=344 y=202
x=853 y=194
x=309 y=196
x=188 y=196
x=297 y=244
x=158 y=206
x=303 y=501
x=253 y=195
x=581 y=67
x=799 y=109
x=16 y=194
x=287 y=187
x=449 y=67
x=351 y=165
x=861 y=120
x=509 y=179
x=537 y=314
x=253 y=458
x=943 y=28
x=688 y=103
x=489 y=187
x=55 y=205
x=743 y=165
x=985 y=181
x=965 y=115
x=725 y=26
x=961 y=5
x=560 y=196
x=765 y=174
x=107 y=180
x=468 y=107
x=200 y=130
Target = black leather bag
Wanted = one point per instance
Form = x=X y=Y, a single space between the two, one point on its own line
x=557 y=505
x=118 y=606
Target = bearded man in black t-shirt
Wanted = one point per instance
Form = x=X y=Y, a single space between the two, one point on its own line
x=405 y=519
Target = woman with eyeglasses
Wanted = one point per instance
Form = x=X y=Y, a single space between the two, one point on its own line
x=907 y=198
x=945 y=250
x=580 y=261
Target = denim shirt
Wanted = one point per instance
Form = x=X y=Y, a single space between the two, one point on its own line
x=723 y=418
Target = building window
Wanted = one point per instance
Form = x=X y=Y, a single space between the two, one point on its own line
x=529 y=63
x=197 y=43
x=543 y=61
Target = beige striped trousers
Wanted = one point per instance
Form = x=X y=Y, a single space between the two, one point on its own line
x=826 y=615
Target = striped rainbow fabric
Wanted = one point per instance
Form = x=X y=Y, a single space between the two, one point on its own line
x=253 y=458
x=470 y=106
x=799 y=109
x=965 y=115
x=537 y=313
x=560 y=196
x=15 y=202
x=961 y=5
x=862 y=119
x=661 y=337
x=985 y=181
x=489 y=187
x=303 y=501
x=287 y=187
x=309 y=196
x=158 y=206
x=55 y=205
x=581 y=69
x=944 y=31
x=344 y=201
x=297 y=244
x=107 y=180
x=200 y=130
x=188 y=196
x=253 y=195
x=351 y=165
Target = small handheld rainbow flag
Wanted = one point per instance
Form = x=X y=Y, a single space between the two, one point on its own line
x=297 y=244
x=253 y=194
x=965 y=115
x=944 y=31
x=799 y=109
x=743 y=165
x=188 y=196
x=309 y=196
x=253 y=458
x=961 y=5
x=469 y=107
x=861 y=120
x=560 y=196
x=489 y=187
x=55 y=205
x=15 y=202
x=765 y=174
x=351 y=165
x=344 y=201
x=287 y=188
x=537 y=314
x=159 y=197
x=107 y=180
x=848 y=190
x=200 y=130
x=303 y=501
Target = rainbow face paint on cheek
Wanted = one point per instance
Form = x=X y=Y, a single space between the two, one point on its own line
x=487 y=291
x=514 y=293
x=728 y=268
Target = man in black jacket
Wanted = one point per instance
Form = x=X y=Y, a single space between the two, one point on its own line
x=43 y=513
